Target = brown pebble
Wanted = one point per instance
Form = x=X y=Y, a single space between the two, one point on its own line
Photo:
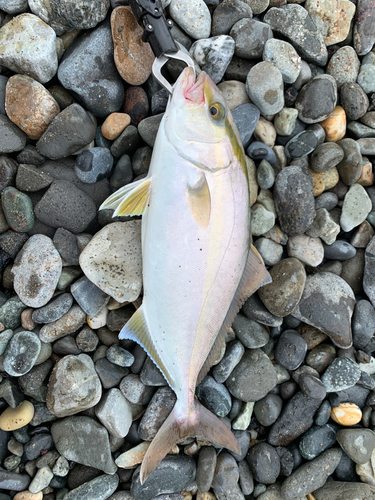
x=363 y=235
x=205 y=496
x=311 y=335
x=133 y=58
x=324 y=180
x=27 y=495
x=136 y=104
x=346 y=414
x=114 y=125
x=335 y=125
x=29 y=105
x=26 y=321
x=367 y=176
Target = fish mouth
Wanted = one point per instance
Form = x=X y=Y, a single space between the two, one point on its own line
x=194 y=91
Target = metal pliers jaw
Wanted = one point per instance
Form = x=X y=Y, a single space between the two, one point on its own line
x=156 y=31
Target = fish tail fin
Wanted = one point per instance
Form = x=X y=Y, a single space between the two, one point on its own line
x=198 y=422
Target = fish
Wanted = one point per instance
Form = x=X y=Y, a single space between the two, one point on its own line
x=199 y=264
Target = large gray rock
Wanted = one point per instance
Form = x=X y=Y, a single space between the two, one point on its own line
x=335 y=490
x=88 y=70
x=327 y=303
x=74 y=386
x=84 y=441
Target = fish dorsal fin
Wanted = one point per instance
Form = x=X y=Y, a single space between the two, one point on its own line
x=131 y=199
x=254 y=276
x=199 y=199
x=136 y=329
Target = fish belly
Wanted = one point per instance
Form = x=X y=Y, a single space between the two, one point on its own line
x=190 y=274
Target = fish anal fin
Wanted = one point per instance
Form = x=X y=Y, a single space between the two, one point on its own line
x=199 y=199
x=136 y=329
x=179 y=425
x=254 y=276
x=131 y=199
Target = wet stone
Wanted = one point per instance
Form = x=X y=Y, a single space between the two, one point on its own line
x=93 y=165
x=214 y=396
x=341 y=374
x=17 y=209
x=354 y=100
x=268 y=409
x=327 y=303
x=250 y=37
x=73 y=386
x=294 y=22
x=264 y=463
x=246 y=117
x=294 y=199
x=213 y=55
x=316 y=440
x=317 y=99
x=90 y=435
x=256 y=367
x=264 y=86
x=232 y=357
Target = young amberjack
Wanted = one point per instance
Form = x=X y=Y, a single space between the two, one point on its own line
x=198 y=262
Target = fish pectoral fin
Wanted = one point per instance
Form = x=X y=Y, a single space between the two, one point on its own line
x=181 y=424
x=136 y=329
x=254 y=276
x=131 y=199
x=199 y=200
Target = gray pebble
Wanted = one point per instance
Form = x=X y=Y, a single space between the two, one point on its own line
x=54 y=310
x=341 y=374
x=344 y=66
x=354 y=100
x=252 y=334
x=93 y=164
x=115 y=412
x=250 y=37
x=316 y=440
x=214 y=396
x=12 y=138
x=227 y=13
x=264 y=86
x=99 y=488
x=284 y=56
x=89 y=297
x=317 y=99
x=268 y=409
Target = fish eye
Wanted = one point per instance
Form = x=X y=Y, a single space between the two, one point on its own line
x=217 y=111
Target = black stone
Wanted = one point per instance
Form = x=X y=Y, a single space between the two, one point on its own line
x=246 y=117
x=264 y=463
x=316 y=440
x=214 y=396
x=290 y=350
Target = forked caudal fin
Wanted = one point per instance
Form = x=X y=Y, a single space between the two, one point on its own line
x=198 y=422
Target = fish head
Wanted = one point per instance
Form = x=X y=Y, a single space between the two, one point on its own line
x=199 y=124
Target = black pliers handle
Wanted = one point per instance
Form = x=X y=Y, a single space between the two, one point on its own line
x=156 y=31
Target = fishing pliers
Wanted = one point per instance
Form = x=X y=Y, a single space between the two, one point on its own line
x=156 y=31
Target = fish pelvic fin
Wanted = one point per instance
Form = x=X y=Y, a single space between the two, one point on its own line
x=198 y=422
x=131 y=199
x=254 y=276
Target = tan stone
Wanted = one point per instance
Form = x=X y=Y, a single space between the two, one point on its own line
x=99 y=320
x=192 y=448
x=205 y=496
x=332 y=18
x=114 y=125
x=234 y=93
x=324 y=180
x=26 y=321
x=187 y=495
x=27 y=495
x=252 y=176
x=15 y=418
x=133 y=58
x=312 y=335
x=132 y=457
x=367 y=176
x=346 y=414
x=29 y=105
x=335 y=125
x=265 y=132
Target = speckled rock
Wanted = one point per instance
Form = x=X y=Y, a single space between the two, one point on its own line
x=284 y=56
x=99 y=488
x=28 y=46
x=67 y=324
x=54 y=310
x=112 y=260
x=11 y=138
x=307 y=249
x=335 y=490
x=328 y=303
x=363 y=35
x=73 y=386
x=213 y=55
x=317 y=99
x=21 y=353
x=227 y=13
x=294 y=22
x=344 y=66
x=356 y=207
x=250 y=36
x=294 y=199
x=369 y=272
x=29 y=105
x=36 y=271
x=264 y=86
x=350 y=168
x=18 y=209
x=192 y=16
x=133 y=57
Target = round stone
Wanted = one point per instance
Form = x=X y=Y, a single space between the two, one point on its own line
x=260 y=151
x=21 y=353
x=226 y=15
x=18 y=210
x=214 y=396
x=28 y=46
x=119 y=356
x=262 y=220
x=252 y=334
x=16 y=418
x=115 y=413
x=114 y=125
x=270 y=251
x=284 y=57
x=354 y=100
x=335 y=125
x=29 y=105
x=284 y=293
x=250 y=37
x=265 y=175
x=264 y=86
x=36 y=271
x=326 y=156
x=264 y=463
x=320 y=357
x=93 y=165
x=290 y=350
x=358 y=444
x=268 y=409
x=301 y=144
x=192 y=16
x=344 y=66
x=308 y=250
x=350 y=168
x=317 y=99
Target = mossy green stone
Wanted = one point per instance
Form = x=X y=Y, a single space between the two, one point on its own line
x=18 y=210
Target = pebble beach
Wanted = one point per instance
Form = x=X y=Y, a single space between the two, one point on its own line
x=295 y=377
